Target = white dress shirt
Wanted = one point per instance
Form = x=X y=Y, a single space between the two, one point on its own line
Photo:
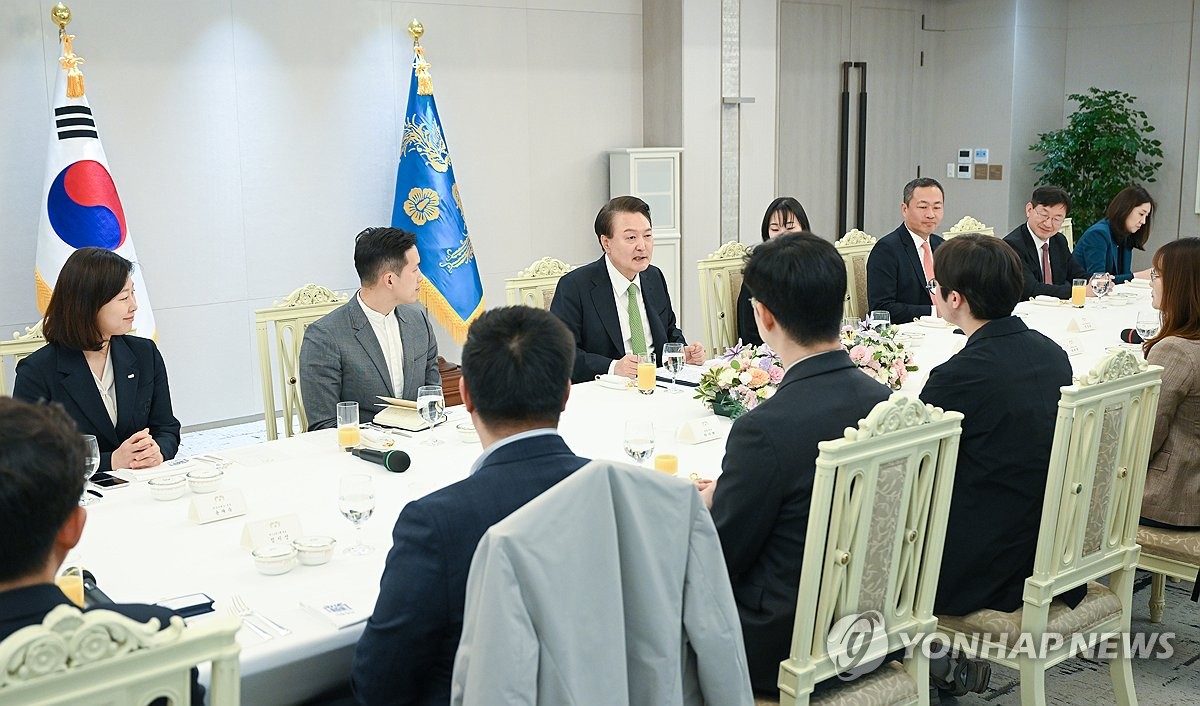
x=917 y=240
x=107 y=386
x=1038 y=244
x=620 y=287
x=387 y=332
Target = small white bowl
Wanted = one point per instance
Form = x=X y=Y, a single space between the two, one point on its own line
x=314 y=551
x=467 y=433
x=167 y=487
x=205 y=480
x=275 y=559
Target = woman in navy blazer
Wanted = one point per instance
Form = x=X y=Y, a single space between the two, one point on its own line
x=784 y=215
x=1108 y=245
x=87 y=351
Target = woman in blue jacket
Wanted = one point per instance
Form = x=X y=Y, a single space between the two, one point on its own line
x=1108 y=245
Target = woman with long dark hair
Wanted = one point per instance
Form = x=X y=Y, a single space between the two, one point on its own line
x=1109 y=244
x=1173 y=477
x=784 y=215
x=113 y=385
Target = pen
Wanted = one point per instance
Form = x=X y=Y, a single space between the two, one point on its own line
x=95 y=492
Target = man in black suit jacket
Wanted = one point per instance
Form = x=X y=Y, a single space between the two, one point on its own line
x=897 y=269
x=760 y=502
x=41 y=454
x=598 y=301
x=1006 y=383
x=516 y=366
x=1038 y=243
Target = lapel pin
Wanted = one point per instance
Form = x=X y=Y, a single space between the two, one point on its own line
x=130 y=376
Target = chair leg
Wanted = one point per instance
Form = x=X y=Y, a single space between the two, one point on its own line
x=1121 y=671
x=1158 y=600
x=1033 y=682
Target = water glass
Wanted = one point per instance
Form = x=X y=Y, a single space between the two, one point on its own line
x=347 y=425
x=431 y=405
x=851 y=322
x=91 y=461
x=356 y=502
x=880 y=318
x=1147 y=324
x=673 y=361
x=639 y=439
x=1101 y=285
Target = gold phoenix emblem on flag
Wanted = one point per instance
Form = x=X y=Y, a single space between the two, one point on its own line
x=422 y=205
x=459 y=256
x=426 y=139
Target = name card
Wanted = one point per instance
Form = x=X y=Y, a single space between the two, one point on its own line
x=1072 y=347
x=698 y=431
x=1081 y=322
x=273 y=530
x=213 y=507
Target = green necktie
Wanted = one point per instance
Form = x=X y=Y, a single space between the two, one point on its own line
x=637 y=335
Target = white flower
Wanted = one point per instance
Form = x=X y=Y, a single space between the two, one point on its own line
x=745 y=377
x=726 y=377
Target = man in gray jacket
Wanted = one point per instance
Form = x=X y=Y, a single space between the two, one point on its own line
x=379 y=343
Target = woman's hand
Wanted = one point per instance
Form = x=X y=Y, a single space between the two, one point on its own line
x=138 y=451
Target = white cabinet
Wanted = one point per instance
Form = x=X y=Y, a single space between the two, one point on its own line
x=652 y=174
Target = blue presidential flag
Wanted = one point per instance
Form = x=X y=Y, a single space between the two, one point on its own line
x=428 y=204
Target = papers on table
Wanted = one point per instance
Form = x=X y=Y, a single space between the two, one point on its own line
x=339 y=613
x=398 y=413
x=177 y=466
x=690 y=375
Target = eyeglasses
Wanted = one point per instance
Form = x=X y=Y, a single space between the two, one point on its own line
x=1045 y=215
x=1154 y=275
x=931 y=285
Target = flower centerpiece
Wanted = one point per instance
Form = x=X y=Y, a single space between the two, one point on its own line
x=877 y=353
x=747 y=376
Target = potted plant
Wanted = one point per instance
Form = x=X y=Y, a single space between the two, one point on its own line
x=1104 y=148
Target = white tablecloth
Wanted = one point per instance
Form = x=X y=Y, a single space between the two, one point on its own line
x=145 y=550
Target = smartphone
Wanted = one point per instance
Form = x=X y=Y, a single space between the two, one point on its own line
x=188 y=606
x=104 y=480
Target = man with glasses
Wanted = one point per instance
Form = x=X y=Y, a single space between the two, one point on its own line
x=1045 y=254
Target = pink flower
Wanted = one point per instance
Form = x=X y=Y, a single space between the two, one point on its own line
x=859 y=353
x=776 y=374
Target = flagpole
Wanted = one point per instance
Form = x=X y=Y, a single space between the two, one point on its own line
x=60 y=15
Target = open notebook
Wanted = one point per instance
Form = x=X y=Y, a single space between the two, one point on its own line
x=400 y=414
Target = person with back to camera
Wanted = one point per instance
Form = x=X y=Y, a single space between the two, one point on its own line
x=113 y=385
x=1173 y=475
x=1108 y=245
x=784 y=215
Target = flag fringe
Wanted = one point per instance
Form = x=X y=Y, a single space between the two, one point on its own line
x=445 y=314
x=424 y=79
x=70 y=63
x=43 y=291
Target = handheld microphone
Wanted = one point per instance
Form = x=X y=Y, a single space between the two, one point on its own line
x=92 y=595
x=395 y=461
x=1129 y=335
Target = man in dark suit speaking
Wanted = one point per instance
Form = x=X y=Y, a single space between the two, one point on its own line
x=618 y=306
x=760 y=502
x=901 y=263
x=516 y=366
x=1046 y=258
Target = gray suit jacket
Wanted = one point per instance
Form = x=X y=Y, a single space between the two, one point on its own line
x=341 y=361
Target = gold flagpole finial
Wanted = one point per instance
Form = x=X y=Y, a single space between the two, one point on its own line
x=415 y=30
x=60 y=15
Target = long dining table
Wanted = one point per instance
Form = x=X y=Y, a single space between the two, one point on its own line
x=145 y=550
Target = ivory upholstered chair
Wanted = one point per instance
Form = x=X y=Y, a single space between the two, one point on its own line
x=12 y=351
x=102 y=657
x=877 y=522
x=280 y=331
x=535 y=285
x=1167 y=552
x=1068 y=231
x=720 y=284
x=855 y=248
x=1088 y=531
x=968 y=224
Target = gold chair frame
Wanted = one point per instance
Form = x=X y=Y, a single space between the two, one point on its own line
x=720 y=283
x=535 y=285
x=13 y=351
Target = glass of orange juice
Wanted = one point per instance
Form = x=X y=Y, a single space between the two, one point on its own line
x=645 y=374
x=1078 y=292
x=71 y=584
x=347 y=425
x=667 y=463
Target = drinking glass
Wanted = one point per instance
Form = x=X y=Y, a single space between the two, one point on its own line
x=430 y=404
x=356 y=501
x=1101 y=285
x=639 y=439
x=1147 y=324
x=851 y=322
x=880 y=318
x=70 y=582
x=347 y=425
x=1078 y=292
x=91 y=461
x=673 y=362
x=645 y=373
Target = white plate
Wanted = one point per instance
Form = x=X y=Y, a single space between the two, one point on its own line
x=931 y=322
x=613 y=385
x=1056 y=303
x=1139 y=283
